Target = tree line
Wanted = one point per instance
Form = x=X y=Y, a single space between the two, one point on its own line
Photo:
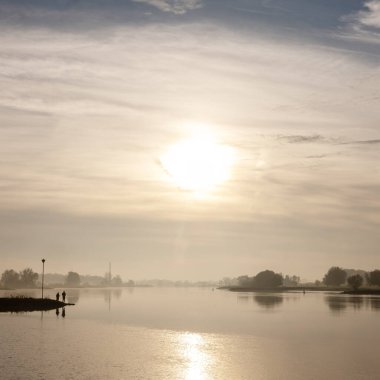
x=334 y=277
x=337 y=276
x=264 y=279
x=23 y=279
x=27 y=278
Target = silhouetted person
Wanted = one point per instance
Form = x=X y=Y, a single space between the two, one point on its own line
x=57 y=296
x=64 y=296
x=63 y=313
x=57 y=312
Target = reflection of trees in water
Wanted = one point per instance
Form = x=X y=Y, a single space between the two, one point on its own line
x=268 y=301
x=375 y=303
x=243 y=299
x=356 y=302
x=340 y=303
x=336 y=304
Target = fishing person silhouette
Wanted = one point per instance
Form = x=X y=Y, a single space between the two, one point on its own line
x=64 y=296
x=57 y=296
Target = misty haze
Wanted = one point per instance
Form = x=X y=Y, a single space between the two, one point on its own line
x=189 y=189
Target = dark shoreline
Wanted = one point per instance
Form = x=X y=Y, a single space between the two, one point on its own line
x=363 y=291
x=21 y=304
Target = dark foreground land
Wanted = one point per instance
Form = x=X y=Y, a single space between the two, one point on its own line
x=19 y=304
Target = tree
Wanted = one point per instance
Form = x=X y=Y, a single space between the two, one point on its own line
x=335 y=277
x=267 y=279
x=10 y=279
x=291 y=280
x=28 y=278
x=226 y=281
x=244 y=280
x=72 y=279
x=355 y=281
x=373 y=278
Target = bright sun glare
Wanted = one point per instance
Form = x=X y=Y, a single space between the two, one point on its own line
x=198 y=163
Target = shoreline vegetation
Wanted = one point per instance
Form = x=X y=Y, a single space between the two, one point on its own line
x=345 y=281
x=63 y=286
x=28 y=279
x=336 y=279
x=283 y=289
x=23 y=304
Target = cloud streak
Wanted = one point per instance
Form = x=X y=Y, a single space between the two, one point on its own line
x=297 y=139
x=363 y=142
x=178 y=7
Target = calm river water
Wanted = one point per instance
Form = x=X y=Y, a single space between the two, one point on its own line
x=191 y=333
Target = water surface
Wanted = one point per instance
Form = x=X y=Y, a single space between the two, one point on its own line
x=191 y=333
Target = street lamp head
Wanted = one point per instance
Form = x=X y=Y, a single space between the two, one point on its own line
x=43 y=260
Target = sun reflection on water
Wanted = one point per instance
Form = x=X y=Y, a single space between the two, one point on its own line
x=196 y=359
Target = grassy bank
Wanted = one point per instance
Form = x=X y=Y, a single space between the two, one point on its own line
x=19 y=304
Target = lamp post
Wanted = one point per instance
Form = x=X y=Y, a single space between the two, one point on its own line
x=43 y=274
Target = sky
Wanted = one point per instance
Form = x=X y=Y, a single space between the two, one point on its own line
x=96 y=95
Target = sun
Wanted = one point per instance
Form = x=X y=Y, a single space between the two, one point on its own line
x=198 y=163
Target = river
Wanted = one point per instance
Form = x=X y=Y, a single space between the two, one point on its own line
x=193 y=333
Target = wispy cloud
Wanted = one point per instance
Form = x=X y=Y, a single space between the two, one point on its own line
x=370 y=17
x=296 y=139
x=317 y=156
x=104 y=96
x=362 y=142
x=364 y=24
x=301 y=139
x=179 y=7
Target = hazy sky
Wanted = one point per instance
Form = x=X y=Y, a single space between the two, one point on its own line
x=95 y=93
